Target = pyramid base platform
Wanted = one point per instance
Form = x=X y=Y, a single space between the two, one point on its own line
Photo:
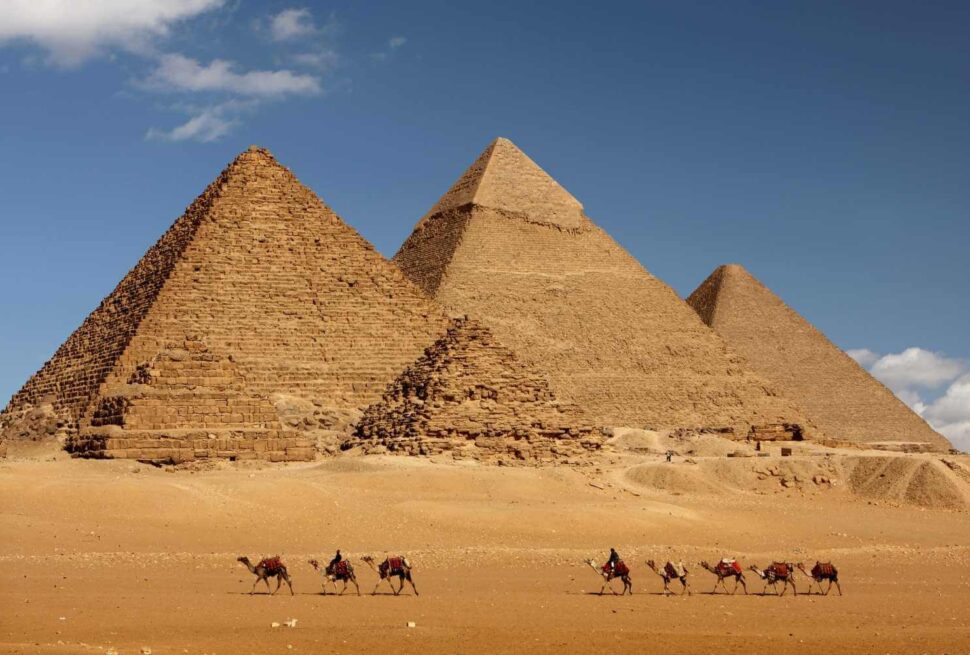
x=178 y=446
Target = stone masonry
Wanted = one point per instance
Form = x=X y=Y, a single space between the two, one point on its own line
x=471 y=396
x=511 y=248
x=259 y=288
x=839 y=396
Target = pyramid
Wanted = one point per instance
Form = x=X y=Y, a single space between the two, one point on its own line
x=469 y=394
x=507 y=245
x=839 y=396
x=258 y=289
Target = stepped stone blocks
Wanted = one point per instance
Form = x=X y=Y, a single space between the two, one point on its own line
x=510 y=247
x=270 y=292
x=839 y=396
x=471 y=396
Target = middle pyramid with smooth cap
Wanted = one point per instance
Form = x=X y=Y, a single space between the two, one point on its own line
x=510 y=247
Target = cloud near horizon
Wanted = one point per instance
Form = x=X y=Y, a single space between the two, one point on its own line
x=913 y=372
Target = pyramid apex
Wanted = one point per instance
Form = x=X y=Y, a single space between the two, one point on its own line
x=505 y=178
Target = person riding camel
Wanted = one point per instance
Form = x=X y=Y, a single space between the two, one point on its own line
x=336 y=560
x=614 y=559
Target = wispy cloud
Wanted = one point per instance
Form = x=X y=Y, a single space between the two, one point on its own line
x=393 y=43
x=74 y=31
x=291 y=24
x=914 y=374
x=207 y=125
x=324 y=60
x=180 y=73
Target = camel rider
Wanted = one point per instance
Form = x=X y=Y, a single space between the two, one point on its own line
x=335 y=560
x=614 y=559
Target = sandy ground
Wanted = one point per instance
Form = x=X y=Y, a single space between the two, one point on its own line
x=119 y=556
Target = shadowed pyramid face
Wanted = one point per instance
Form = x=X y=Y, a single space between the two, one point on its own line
x=259 y=289
x=509 y=246
x=836 y=393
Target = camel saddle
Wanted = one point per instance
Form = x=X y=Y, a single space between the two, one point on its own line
x=339 y=569
x=273 y=565
x=619 y=570
x=395 y=563
x=675 y=570
x=729 y=567
x=823 y=570
x=780 y=569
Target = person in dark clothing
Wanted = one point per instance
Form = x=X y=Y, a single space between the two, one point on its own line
x=336 y=559
x=614 y=559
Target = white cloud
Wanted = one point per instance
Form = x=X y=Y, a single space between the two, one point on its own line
x=291 y=24
x=863 y=356
x=206 y=125
x=325 y=60
x=950 y=413
x=915 y=367
x=180 y=73
x=396 y=42
x=73 y=31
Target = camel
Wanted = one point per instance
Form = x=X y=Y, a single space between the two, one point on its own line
x=777 y=572
x=390 y=567
x=671 y=572
x=727 y=568
x=822 y=571
x=342 y=571
x=268 y=567
x=620 y=571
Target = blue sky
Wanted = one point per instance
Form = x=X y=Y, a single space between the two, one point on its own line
x=824 y=145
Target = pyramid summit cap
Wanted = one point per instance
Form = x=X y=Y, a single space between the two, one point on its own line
x=506 y=179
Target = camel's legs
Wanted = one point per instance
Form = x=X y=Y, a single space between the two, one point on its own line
x=342 y=590
x=289 y=583
x=838 y=586
x=279 y=581
x=266 y=580
x=376 y=586
x=412 y=585
x=686 y=590
x=391 y=585
x=253 y=590
x=356 y=585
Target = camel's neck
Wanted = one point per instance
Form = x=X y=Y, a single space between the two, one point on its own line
x=249 y=565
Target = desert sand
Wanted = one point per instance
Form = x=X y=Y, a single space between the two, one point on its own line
x=120 y=556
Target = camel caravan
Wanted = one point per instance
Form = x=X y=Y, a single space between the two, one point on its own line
x=727 y=568
x=783 y=573
x=337 y=570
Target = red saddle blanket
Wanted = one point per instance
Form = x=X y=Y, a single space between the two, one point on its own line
x=823 y=570
x=780 y=570
x=273 y=565
x=619 y=570
x=395 y=563
x=339 y=569
x=728 y=568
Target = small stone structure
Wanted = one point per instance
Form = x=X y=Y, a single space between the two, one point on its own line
x=471 y=396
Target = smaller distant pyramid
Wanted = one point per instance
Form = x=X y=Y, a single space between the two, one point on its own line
x=836 y=394
x=470 y=395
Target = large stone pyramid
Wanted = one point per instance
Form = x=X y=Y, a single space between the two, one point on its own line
x=470 y=395
x=510 y=247
x=258 y=289
x=841 y=398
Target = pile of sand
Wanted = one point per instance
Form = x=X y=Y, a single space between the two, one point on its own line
x=918 y=481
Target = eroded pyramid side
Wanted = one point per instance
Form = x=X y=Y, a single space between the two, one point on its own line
x=471 y=396
x=844 y=400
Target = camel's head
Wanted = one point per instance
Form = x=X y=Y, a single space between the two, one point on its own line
x=651 y=564
x=243 y=559
x=705 y=565
x=367 y=558
x=590 y=562
x=314 y=563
